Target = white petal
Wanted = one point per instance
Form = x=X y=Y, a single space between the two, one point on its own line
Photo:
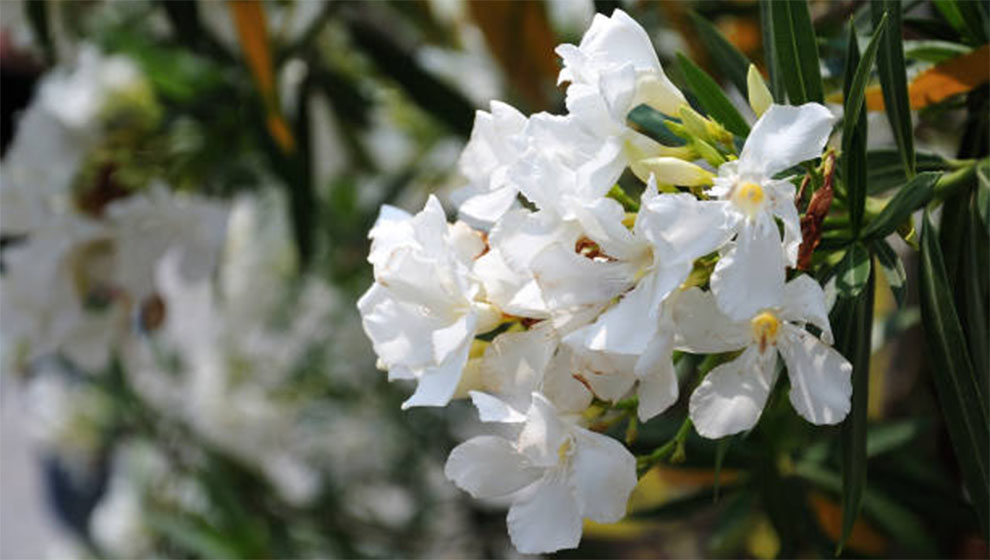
x=400 y=333
x=750 y=276
x=449 y=339
x=658 y=388
x=731 y=398
x=820 y=377
x=546 y=519
x=515 y=362
x=568 y=279
x=543 y=433
x=602 y=223
x=603 y=473
x=804 y=302
x=489 y=466
x=785 y=136
x=492 y=409
x=561 y=388
x=682 y=228
x=438 y=383
x=490 y=206
x=781 y=195
x=702 y=328
x=627 y=327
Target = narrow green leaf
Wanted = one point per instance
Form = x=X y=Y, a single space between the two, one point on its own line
x=796 y=49
x=893 y=435
x=893 y=79
x=975 y=303
x=909 y=198
x=893 y=270
x=732 y=63
x=886 y=171
x=855 y=91
x=853 y=271
x=975 y=17
x=711 y=97
x=983 y=193
x=653 y=124
x=769 y=51
x=852 y=319
x=958 y=15
x=854 y=131
x=959 y=393
x=934 y=51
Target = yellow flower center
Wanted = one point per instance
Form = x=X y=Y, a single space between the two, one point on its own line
x=564 y=451
x=765 y=327
x=748 y=197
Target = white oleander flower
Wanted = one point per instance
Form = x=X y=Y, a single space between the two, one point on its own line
x=750 y=274
x=555 y=473
x=612 y=71
x=617 y=58
x=632 y=340
x=731 y=397
x=425 y=308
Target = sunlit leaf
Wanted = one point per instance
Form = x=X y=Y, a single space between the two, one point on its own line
x=893 y=270
x=909 y=198
x=853 y=271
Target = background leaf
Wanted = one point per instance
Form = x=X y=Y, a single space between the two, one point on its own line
x=711 y=97
x=852 y=320
x=733 y=64
x=893 y=79
x=796 y=51
x=960 y=396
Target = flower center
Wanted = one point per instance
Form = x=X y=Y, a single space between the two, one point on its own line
x=564 y=451
x=748 y=197
x=765 y=327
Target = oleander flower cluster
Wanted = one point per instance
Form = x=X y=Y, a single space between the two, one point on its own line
x=585 y=255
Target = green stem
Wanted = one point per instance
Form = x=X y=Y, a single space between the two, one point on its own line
x=627 y=202
x=674 y=447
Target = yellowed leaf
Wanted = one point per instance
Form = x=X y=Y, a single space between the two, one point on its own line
x=252 y=30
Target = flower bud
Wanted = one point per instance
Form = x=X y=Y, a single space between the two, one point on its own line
x=656 y=91
x=673 y=171
x=760 y=97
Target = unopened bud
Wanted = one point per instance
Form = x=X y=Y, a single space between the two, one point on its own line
x=760 y=98
x=655 y=90
x=673 y=171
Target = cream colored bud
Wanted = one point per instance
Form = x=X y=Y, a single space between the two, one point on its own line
x=673 y=171
x=760 y=98
x=655 y=90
